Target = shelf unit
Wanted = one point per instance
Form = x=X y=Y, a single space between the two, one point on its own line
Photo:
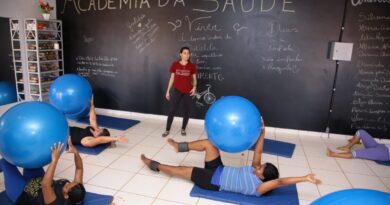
x=16 y=37
x=44 y=55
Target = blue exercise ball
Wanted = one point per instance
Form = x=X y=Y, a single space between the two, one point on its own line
x=233 y=124
x=28 y=130
x=84 y=113
x=70 y=93
x=7 y=93
x=355 y=197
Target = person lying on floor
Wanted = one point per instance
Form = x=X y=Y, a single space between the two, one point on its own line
x=372 y=149
x=92 y=135
x=256 y=179
x=33 y=189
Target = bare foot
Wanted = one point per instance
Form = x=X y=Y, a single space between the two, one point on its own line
x=145 y=160
x=344 y=148
x=351 y=140
x=329 y=152
x=122 y=139
x=174 y=144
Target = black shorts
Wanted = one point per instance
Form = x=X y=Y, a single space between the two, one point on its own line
x=202 y=176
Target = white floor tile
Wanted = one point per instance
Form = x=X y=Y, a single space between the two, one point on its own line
x=298 y=151
x=152 y=141
x=112 y=179
x=304 y=202
x=89 y=172
x=62 y=165
x=194 y=159
x=380 y=170
x=327 y=189
x=103 y=159
x=120 y=148
x=323 y=163
x=332 y=178
x=2 y=188
x=137 y=150
x=135 y=138
x=165 y=202
x=354 y=166
x=128 y=163
x=288 y=137
x=291 y=171
x=143 y=128
x=307 y=191
x=315 y=152
x=300 y=161
x=122 y=198
x=182 y=194
x=145 y=185
x=386 y=181
x=364 y=181
x=170 y=156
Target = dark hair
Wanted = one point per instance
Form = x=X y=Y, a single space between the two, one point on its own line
x=76 y=194
x=184 y=48
x=105 y=132
x=270 y=172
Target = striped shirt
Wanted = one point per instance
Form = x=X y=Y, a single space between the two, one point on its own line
x=240 y=180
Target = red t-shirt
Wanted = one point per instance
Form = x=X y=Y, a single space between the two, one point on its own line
x=183 y=76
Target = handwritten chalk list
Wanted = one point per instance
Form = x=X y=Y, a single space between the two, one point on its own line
x=89 y=66
x=371 y=96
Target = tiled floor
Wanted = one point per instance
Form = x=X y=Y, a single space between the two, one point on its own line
x=119 y=172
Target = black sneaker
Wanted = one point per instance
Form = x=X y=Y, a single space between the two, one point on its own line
x=166 y=133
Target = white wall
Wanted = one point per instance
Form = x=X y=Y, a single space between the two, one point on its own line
x=21 y=9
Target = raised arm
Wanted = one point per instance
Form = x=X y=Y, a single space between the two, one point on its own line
x=48 y=192
x=259 y=146
x=276 y=183
x=78 y=176
x=92 y=116
x=170 y=84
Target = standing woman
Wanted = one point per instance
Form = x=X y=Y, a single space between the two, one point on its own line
x=183 y=79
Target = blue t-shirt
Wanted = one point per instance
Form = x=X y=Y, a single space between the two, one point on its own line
x=240 y=180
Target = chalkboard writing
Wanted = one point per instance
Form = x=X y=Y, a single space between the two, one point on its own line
x=273 y=52
x=89 y=66
x=366 y=79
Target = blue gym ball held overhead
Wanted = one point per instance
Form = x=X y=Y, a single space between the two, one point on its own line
x=28 y=130
x=233 y=124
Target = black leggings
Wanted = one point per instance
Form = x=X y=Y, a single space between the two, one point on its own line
x=176 y=97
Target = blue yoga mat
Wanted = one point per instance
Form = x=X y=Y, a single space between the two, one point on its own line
x=385 y=163
x=279 y=196
x=276 y=147
x=90 y=199
x=92 y=150
x=111 y=122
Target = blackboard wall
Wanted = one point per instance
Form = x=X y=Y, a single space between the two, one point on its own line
x=6 y=64
x=273 y=52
